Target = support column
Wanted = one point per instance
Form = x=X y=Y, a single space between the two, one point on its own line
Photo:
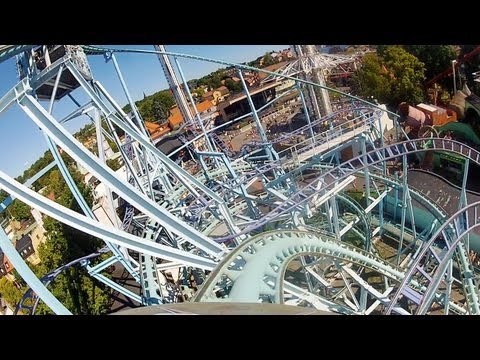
x=404 y=207
x=449 y=281
x=463 y=201
x=140 y=123
x=335 y=219
x=146 y=159
x=384 y=172
x=101 y=155
x=71 y=183
x=308 y=276
x=271 y=154
x=190 y=98
x=366 y=171
x=305 y=110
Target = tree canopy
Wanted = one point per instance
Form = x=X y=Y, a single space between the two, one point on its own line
x=9 y=292
x=156 y=107
x=268 y=59
x=214 y=79
x=19 y=211
x=437 y=59
x=392 y=76
x=114 y=164
x=79 y=292
x=160 y=111
x=233 y=87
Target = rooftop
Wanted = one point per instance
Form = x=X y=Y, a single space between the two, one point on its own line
x=272 y=68
x=177 y=118
x=23 y=243
x=156 y=130
x=426 y=107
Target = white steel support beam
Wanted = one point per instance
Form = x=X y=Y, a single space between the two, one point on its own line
x=371 y=290
x=318 y=277
x=94 y=228
x=317 y=201
x=377 y=302
x=318 y=302
x=375 y=202
x=174 y=168
x=174 y=85
x=47 y=123
x=13 y=94
x=355 y=305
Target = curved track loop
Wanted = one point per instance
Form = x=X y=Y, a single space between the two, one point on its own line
x=256 y=268
x=8 y=51
x=260 y=275
x=450 y=235
x=355 y=165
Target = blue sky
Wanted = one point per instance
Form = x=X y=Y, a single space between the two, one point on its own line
x=23 y=143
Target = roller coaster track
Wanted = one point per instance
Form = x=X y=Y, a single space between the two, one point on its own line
x=355 y=165
x=238 y=209
x=323 y=138
x=273 y=249
x=450 y=234
x=7 y=51
x=105 y=174
x=395 y=150
x=254 y=271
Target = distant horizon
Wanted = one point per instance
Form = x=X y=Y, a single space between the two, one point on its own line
x=143 y=75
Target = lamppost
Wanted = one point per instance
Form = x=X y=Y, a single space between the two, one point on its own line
x=454 y=81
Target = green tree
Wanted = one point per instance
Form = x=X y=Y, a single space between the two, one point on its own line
x=233 y=87
x=213 y=80
x=372 y=80
x=114 y=164
x=156 y=107
x=74 y=288
x=20 y=211
x=268 y=60
x=160 y=112
x=10 y=292
x=18 y=278
x=127 y=108
x=408 y=75
x=198 y=92
x=437 y=58
x=392 y=77
x=3 y=196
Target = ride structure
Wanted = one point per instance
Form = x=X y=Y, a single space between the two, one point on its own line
x=256 y=226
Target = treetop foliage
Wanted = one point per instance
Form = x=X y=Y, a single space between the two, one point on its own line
x=391 y=76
